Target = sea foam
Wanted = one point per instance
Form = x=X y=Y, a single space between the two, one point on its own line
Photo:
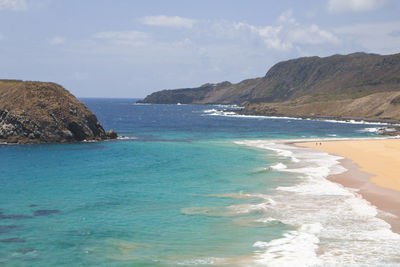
x=230 y=112
x=333 y=225
x=279 y=166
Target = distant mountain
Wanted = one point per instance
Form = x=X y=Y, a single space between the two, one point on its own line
x=356 y=85
x=41 y=112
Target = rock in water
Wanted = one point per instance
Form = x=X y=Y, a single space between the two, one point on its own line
x=44 y=112
x=111 y=134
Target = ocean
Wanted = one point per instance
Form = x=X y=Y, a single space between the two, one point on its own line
x=188 y=185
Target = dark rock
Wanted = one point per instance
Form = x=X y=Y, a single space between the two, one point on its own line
x=33 y=205
x=13 y=240
x=45 y=212
x=77 y=131
x=111 y=134
x=391 y=131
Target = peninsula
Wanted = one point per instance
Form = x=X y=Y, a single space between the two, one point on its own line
x=357 y=85
x=44 y=112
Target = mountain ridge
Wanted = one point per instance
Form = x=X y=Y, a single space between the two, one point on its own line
x=291 y=87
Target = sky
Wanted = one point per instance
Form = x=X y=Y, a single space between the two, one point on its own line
x=131 y=48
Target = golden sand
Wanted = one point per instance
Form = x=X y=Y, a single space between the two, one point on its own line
x=380 y=158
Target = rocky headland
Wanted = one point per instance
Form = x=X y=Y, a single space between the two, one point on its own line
x=44 y=112
x=355 y=86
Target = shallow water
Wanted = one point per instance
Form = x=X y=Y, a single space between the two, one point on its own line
x=185 y=188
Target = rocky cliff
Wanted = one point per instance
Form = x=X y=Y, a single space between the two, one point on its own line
x=355 y=85
x=41 y=112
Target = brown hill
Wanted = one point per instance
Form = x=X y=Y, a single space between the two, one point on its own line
x=355 y=85
x=41 y=112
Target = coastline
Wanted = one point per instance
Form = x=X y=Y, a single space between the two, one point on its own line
x=237 y=111
x=366 y=167
x=333 y=224
x=344 y=119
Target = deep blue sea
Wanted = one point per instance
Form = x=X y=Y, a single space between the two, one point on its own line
x=187 y=186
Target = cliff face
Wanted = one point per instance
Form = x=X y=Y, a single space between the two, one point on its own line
x=39 y=112
x=308 y=86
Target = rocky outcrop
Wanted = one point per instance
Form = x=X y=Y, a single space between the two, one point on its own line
x=359 y=84
x=395 y=131
x=39 y=112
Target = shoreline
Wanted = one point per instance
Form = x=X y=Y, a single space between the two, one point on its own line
x=336 y=119
x=388 y=127
x=385 y=196
x=356 y=120
x=385 y=199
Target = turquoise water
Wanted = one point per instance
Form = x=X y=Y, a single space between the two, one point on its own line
x=179 y=192
x=123 y=201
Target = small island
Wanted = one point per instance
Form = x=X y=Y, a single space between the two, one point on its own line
x=45 y=112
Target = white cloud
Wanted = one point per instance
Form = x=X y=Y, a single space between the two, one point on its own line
x=1 y=37
x=312 y=35
x=354 y=5
x=287 y=17
x=271 y=35
x=15 y=5
x=56 y=40
x=285 y=35
x=168 y=21
x=288 y=33
x=124 y=37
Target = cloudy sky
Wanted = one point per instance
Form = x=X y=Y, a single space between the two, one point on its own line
x=122 y=48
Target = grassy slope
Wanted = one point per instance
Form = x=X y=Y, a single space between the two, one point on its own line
x=37 y=99
x=33 y=112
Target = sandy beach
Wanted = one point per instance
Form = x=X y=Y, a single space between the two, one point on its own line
x=373 y=167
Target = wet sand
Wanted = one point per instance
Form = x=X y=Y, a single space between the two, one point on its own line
x=373 y=168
